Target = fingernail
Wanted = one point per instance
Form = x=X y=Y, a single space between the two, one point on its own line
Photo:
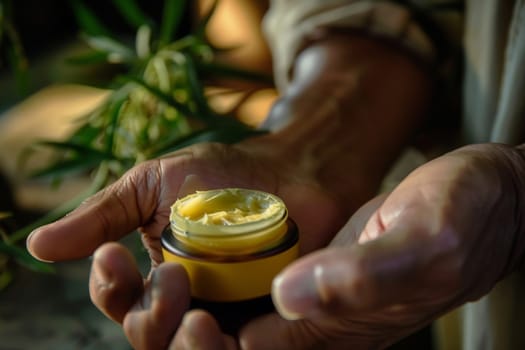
x=28 y=246
x=28 y=239
x=295 y=293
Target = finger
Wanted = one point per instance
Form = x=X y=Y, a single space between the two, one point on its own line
x=200 y=331
x=389 y=270
x=151 y=242
x=115 y=283
x=107 y=216
x=153 y=320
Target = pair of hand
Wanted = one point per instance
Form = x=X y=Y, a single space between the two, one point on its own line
x=444 y=236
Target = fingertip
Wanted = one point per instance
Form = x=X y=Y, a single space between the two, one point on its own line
x=115 y=257
x=279 y=299
x=170 y=289
x=199 y=330
x=36 y=245
x=115 y=282
x=327 y=282
x=61 y=240
x=106 y=249
x=197 y=322
x=294 y=293
x=158 y=312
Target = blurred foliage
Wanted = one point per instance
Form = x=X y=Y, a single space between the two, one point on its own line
x=11 y=252
x=157 y=105
x=11 y=49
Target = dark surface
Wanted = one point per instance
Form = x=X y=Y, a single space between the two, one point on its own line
x=49 y=36
x=44 y=311
x=53 y=312
x=232 y=315
x=421 y=340
x=44 y=25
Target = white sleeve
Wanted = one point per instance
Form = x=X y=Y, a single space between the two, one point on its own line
x=289 y=23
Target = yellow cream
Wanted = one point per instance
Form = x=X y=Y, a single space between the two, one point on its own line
x=231 y=241
x=226 y=207
x=229 y=221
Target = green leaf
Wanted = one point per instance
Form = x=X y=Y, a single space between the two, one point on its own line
x=223 y=135
x=24 y=258
x=131 y=12
x=92 y=57
x=67 y=167
x=85 y=135
x=182 y=108
x=15 y=54
x=172 y=14
x=77 y=147
x=6 y=277
x=99 y=181
x=196 y=88
x=117 y=52
x=227 y=71
x=19 y=65
x=112 y=126
x=87 y=20
x=178 y=128
x=86 y=158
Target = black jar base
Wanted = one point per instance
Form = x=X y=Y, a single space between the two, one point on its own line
x=231 y=316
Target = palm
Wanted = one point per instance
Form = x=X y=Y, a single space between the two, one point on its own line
x=314 y=209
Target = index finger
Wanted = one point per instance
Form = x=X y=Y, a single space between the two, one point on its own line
x=108 y=215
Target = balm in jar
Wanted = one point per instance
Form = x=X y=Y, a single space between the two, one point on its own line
x=232 y=243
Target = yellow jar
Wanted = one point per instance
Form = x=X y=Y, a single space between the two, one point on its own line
x=232 y=242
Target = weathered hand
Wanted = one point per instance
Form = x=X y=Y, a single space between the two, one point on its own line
x=446 y=235
x=151 y=312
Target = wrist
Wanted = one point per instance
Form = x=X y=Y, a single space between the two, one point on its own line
x=353 y=105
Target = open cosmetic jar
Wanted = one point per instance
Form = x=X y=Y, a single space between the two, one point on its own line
x=232 y=243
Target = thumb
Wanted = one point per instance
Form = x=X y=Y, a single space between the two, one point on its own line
x=367 y=277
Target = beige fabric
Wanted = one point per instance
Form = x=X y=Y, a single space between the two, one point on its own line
x=494 y=110
x=289 y=23
x=496 y=321
x=495 y=71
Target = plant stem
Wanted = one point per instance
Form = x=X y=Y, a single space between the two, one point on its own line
x=99 y=181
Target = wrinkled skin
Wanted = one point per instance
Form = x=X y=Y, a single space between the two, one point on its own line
x=444 y=236
x=142 y=198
